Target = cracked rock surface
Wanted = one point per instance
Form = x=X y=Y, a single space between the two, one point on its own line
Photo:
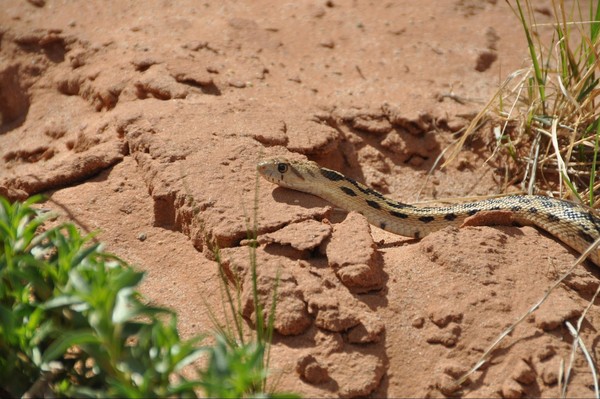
x=147 y=119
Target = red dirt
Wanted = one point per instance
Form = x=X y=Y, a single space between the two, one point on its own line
x=145 y=120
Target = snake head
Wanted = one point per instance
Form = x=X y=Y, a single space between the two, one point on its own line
x=288 y=173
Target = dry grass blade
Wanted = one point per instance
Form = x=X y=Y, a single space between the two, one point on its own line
x=562 y=166
x=477 y=122
x=488 y=351
x=547 y=137
x=578 y=342
x=551 y=130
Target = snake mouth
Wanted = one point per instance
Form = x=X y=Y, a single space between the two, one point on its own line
x=262 y=167
x=267 y=172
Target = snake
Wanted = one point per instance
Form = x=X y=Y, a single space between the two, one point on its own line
x=573 y=224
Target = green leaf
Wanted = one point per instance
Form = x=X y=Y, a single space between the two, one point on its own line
x=190 y=358
x=60 y=301
x=7 y=322
x=79 y=282
x=128 y=278
x=66 y=341
x=81 y=255
x=125 y=309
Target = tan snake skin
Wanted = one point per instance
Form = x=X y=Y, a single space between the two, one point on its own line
x=573 y=224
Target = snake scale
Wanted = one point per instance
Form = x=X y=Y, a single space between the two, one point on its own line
x=573 y=224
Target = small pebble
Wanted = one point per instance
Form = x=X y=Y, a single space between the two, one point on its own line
x=512 y=389
x=523 y=373
x=237 y=84
x=447 y=385
x=311 y=370
x=418 y=322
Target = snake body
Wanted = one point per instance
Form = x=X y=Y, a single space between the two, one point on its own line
x=571 y=223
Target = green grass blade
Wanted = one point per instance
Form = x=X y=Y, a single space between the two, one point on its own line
x=534 y=58
x=595 y=17
x=595 y=158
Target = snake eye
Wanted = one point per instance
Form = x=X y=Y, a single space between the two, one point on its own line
x=282 y=167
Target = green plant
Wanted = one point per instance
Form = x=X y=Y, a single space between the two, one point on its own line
x=235 y=370
x=239 y=365
x=72 y=321
x=73 y=324
x=239 y=362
